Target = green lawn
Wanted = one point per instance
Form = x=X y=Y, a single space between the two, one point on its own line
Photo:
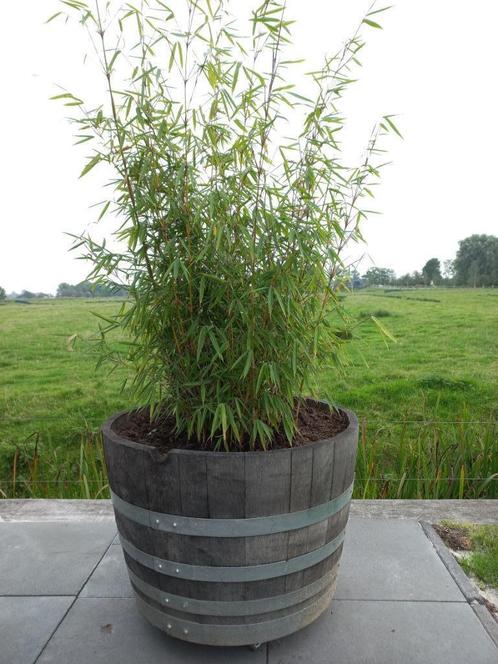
x=481 y=541
x=428 y=403
x=444 y=364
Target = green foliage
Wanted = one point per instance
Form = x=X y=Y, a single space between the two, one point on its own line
x=228 y=238
x=3 y=294
x=476 y=262
x=379 y=276
x=414 y=279
x=483 y=561
x=29 y=295
x=432 y=271
x=88 y=290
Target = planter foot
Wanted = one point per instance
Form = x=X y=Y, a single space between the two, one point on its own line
x=255 y=646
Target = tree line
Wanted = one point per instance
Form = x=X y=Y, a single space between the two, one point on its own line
x=87 y=289
x=84 y=289
x=475 y=265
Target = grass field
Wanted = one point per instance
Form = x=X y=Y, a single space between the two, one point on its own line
x=428 y=403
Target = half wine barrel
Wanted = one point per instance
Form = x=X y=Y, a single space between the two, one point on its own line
x=231 y=548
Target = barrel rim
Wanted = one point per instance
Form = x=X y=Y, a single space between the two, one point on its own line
x=108 y=431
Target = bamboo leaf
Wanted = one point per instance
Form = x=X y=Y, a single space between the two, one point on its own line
x=383 y=329
x=372 y=24
x=91 y=164
x=53 y=17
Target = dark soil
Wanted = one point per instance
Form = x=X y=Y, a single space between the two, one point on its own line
x=454 y=538
x=314 y=423
x=491 y=608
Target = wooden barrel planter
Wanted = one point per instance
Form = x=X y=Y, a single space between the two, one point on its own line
x=231 y=548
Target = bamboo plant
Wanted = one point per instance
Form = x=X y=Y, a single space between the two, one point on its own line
x=228 y=236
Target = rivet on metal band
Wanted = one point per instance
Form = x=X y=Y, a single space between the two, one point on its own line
x=262 y=525
x=233 y=607
x=227 y=574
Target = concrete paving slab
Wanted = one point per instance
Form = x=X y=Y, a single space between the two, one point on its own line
x=110 y=631
x=110 y=578
x=26 y=624
x=50 y=558
x=482 y=510
x=392 y=560
x=400 y=604
x=358 y=632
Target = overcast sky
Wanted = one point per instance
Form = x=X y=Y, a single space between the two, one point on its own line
x=434 y=64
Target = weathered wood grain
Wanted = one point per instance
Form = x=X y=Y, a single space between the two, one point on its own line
x=226 y=486
x=126 y=471
x=163 y=482
x=193 y=484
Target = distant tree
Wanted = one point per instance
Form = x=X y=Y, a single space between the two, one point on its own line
x=3 y=294
x=432 y=271
x=417 y=278
x=28 y=295
x=404 y=280
x=410 y=279
x=379 y=276
x=89 y=290
x=448 y=269
x=65 y=290
x=353 y=279
x=356 y=280
x=476 y=262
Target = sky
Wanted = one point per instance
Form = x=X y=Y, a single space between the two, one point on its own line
x=433 y=64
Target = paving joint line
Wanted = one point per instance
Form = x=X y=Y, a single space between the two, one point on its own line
x=36 y=595
x=400 y=601
x=75 y=597
x=471 y=595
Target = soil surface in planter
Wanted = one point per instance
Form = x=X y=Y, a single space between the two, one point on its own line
x=314 y=423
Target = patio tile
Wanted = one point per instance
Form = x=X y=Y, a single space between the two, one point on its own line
x=392 y=560
x=50 y=558
x=359 y=632
x=26 y=624
x=110 y=631
x=110 y=578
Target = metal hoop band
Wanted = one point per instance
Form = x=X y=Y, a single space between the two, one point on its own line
x=232 y=607
x=262 y=525
x=236 y=574
x=212 y=634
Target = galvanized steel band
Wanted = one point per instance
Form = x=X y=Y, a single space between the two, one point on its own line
x=232 y=607
x=261 y=525
x=235 y=574
x=238 y=634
